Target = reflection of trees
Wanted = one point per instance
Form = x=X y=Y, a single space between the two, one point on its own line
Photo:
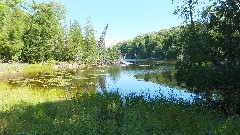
x=165 y=78
x=146 y=77
x=88 y=80
x=102 y=83
x=114 y=72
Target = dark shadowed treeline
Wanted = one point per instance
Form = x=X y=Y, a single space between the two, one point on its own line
x=210 y=50
x=38 y=32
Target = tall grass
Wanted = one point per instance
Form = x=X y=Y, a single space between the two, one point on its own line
x=14 y=70
x=27 y=111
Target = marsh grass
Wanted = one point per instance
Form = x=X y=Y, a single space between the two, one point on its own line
x=7 y=68
x=15 y=70
x=28 y=111
x=36 y=68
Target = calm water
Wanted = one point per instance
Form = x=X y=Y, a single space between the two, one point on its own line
x=141 y=77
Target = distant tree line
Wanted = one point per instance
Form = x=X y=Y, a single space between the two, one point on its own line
x=38 y=32
x=160 y=45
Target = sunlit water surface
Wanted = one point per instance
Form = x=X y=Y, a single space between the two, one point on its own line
x=151 y=79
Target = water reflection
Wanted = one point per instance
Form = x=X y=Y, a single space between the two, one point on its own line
x=114 y=72
x=151 y=78
x=164 y=78
x=102 y=83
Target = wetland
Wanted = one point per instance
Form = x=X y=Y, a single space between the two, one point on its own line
x=154 y=78
x=138 y=98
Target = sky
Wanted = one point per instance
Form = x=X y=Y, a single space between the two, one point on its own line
x=126 y=18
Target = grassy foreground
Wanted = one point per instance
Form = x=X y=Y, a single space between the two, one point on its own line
x=27 y=111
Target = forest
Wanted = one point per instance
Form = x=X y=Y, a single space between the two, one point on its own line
x=155 y=45
x=39 y=32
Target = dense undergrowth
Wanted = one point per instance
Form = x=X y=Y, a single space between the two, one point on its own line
x=30 y=111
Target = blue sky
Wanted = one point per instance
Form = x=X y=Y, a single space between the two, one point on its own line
x=126 y=18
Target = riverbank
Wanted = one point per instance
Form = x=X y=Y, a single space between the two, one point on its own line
x=14 y=67
x=17 y=68
x=35 y=111
x=12 y=70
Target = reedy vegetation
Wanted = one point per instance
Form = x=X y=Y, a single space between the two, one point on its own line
x=30 y=111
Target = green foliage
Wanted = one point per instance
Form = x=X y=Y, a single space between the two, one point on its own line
x=90 y=49
x=4 y=11
x=43 y=27
x=75 y=42
x=101 y=47
x=37 y=32
x=210 y=54
x=113 y=54
x=161 y=45
x=12 y=27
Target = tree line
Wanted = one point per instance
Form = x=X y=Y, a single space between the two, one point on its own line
x=206 y=47
x=160 y=45
x=38 y=32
